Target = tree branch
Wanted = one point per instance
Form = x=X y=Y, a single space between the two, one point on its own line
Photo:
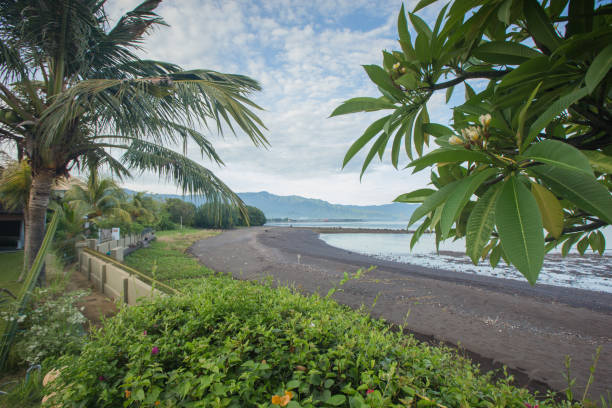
x=465 y=76
x=581 y=228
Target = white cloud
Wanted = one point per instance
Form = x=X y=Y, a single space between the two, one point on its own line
x=308 y=57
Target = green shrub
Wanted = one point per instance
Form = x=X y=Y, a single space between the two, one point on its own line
x=51 y=326
x=238 y=344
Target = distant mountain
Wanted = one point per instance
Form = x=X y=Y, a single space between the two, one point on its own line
x=296 y=207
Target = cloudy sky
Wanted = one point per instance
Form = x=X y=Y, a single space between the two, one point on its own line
x=307 y=55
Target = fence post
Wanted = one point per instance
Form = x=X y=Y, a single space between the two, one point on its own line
x=103 y=278
x=125 y=291
x=117 y=253
x=91 y=243
x=89 y=269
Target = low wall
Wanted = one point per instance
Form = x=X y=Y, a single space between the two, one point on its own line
x=114 y=279
x=124 y=243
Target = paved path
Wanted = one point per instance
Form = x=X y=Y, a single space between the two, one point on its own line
x=529 y=329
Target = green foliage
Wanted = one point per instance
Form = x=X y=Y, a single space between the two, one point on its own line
x=256 y=217
x=232 y=343
x=531 y=150
x=226 y=216
x=15 y=182
x=25 y=393
x=70 y=230
x=50 y=326
x=180 y=212
x=166 y=264
x=23 y=300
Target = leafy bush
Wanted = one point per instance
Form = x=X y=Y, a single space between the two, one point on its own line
x=50 y=327
x=217 y=216
x=165 y=223
x=240 y=344
x=256 y=217
x=225 y=216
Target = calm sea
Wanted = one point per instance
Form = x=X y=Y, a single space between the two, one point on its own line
x=591 y=271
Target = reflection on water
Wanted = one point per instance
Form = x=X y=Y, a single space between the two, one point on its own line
x=590 y=271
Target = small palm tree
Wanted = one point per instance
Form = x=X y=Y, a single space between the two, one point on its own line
x=101 y=197
x=72 y=88
x=141 y=209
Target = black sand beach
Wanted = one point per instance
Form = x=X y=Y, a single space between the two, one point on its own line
x=495 y=321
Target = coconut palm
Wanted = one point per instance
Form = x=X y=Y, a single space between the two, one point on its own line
x=72 y=88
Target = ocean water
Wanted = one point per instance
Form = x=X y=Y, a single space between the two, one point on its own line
x=393 y=225
x=591 y=271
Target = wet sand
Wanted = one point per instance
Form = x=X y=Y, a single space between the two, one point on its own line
x=494 y=321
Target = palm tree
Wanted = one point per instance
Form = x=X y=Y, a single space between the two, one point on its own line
x=101 y=197
x=142 y=208
x=72 y=88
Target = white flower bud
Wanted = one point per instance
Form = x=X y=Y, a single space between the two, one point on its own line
x=473 y=133
x=485 y=120
x=454 y=140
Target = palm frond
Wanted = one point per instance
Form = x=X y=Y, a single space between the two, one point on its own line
x=193 y=178
x=15 y=183
x=137 y=108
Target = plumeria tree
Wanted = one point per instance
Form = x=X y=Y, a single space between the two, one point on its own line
x=526 y=162
x=72 y=88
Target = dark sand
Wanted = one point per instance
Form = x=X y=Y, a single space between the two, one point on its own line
x=494 y=321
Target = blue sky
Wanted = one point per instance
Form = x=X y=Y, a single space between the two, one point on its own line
x=307 y=55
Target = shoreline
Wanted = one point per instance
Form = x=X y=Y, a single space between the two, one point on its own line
x=497 y=321
x=343 y=230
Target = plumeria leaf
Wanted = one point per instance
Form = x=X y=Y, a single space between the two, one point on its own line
x=519 y=226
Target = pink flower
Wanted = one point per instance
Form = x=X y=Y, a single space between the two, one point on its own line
x=155 y=350
x=369 y=391
x=144 y=333
x=101 y=378
x=528 y=405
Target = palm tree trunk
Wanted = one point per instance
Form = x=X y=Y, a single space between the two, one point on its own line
x=35 y=219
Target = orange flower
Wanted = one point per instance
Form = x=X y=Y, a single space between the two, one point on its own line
x=157 y=403
x=284 y=400
x=128 y=393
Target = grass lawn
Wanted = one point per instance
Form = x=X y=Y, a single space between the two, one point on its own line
x=11 y=264
x=165 y=259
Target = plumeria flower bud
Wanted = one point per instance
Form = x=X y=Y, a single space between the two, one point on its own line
x=473 y=133
x=454 y=140
x=485 y=120
x=403 y=70
x=396 y=65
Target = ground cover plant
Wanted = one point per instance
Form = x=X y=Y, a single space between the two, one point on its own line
x=165 y=259
x=228 y=343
